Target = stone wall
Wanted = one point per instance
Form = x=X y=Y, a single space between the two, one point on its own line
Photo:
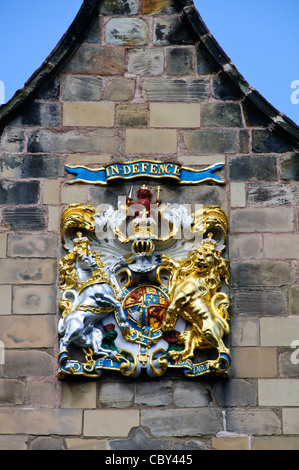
x=148 y=80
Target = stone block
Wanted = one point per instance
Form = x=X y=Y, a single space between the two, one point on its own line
x=51 y=90
x=151 y=141
x=28 y=363
x=265 y=302
x=146 y=62
x=3 y=245
x=244 y=141
x=139 y=440
x=33 y=245
x=246 y=246
x=238 y=194
x=288 y=362
x=263 y=194
x=40 y=421
x=271 y=219
x=235 y=392
x=13 y=140
x=204 y=160
x=182 y=422
x=193 y=396
x=281 y=246
x=261 y=273
x=205 y=141
x=221 y=115
x=224 y=89
x=12 y=392
x=171 y=31
x=279 y=331
x=54 y=218
x=39 y=114
x=32 y=300
x=94 y=33
x=189 y=445
x=116 y=395
x=131 y=115
x=69 y=141
x=109 y=423
x=23 y=218
x=119 y=89
x=230 y=443
x=266 y=141
x=253 y=118
x=175 y=115
x=119 y=7
x=79 y=395
x=99 y=60
x=27 y=271
x=20 y=331
x=74 y=193
x=85 y=444
x=13 y=442
x=245 y=332
x=127 y=31
x=254 y=362
x=294 y=300
x=278 y=392
x=46 y=443
x=5 y=295
x=253 y=168
x=180 y=61
x=290 y=420
x=51 y=191
x=275 y=443
x=186 y=90
x=253 y=421
x=41 y=394
x=80 y=88
x=154 y=394
x=89 y=114
x=205 y=66
x=31 y=166
x=83 y=159
x=289 y=167
x=19 y=192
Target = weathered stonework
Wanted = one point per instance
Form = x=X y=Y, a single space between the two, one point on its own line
x=135 y=79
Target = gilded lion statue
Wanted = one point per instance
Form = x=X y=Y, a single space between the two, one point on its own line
x=193 y=286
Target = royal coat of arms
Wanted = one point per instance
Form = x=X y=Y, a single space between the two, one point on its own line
x=141 y=289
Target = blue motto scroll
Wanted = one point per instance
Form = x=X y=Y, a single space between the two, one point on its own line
x=144 y=168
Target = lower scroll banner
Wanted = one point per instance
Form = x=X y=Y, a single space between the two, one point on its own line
x=141 y=290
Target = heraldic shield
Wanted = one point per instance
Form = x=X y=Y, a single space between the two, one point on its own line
x=141 y=289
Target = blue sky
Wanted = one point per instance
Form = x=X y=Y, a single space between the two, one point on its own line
x=261 y=37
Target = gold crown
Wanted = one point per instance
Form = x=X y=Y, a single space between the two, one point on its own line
x=143 y=247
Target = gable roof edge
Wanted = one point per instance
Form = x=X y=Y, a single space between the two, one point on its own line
x=277 y=121
x=67 y=45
